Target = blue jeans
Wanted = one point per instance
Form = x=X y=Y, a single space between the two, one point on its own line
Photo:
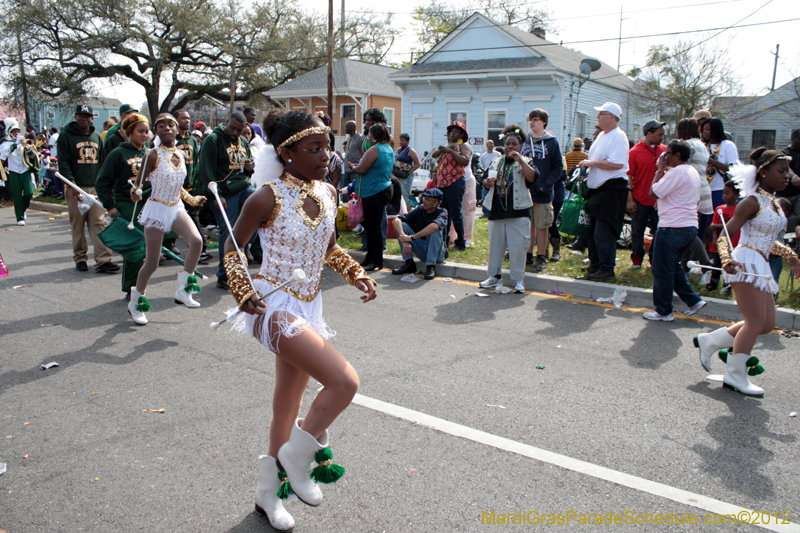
x=602 y=246
x=453 y=196
x=429 y=248
x=234 y=203
x=671 y=244
x=646 y=217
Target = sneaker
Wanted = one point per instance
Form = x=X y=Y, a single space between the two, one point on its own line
x=589 y=269
x=653 y=315
x=726 y=290
x=106 y=268
x=636 y=267
x=706 y=279
x=205 y=257
x=519 y=287
x=601 y=276
x=358 y=230
x=81 y=266
x=541 y=263
x=695 y=308
x=529 y=259
x=430 y=272
x=490 y=283
x=222 y=283
x=20 y=222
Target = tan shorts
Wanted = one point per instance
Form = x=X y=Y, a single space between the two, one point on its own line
x=542 y=216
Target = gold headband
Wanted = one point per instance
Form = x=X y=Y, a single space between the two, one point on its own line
x=163 y=117
x=302 y=134
x=779 y=157
x=139 y=118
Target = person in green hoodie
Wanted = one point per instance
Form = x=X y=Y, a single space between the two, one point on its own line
x=114 y=190
x=227 y=160
x=79 y=152
x=115 y=135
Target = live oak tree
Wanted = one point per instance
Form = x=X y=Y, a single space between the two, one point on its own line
x=176 y=50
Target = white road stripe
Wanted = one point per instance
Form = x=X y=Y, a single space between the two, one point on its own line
x=620 y=478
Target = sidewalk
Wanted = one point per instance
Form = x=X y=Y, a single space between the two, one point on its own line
x=590 y=290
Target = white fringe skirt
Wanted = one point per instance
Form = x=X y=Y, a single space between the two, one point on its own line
x=160 y=216
x=306 y=314
x=754 y=263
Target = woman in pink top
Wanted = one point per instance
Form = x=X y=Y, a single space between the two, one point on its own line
x=677 y=192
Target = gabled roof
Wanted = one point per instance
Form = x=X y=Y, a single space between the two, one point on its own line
x=752 y=105
x=348 y=76
x=553 y=56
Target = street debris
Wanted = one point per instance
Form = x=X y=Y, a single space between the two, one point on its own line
x=25 y=456
x=26 y=423
x=481 y=294
x=792 y=414
x=618 y=298
x=575 y=252
x=539 y=367
x=791 y=333
x=48 y=365
x=47 y=325
x=502 y=289
x=492 y=405
x=154 y=410
x=447 y=279
x=17 y=287
x=92 y=394
x=410 y=278
x=2 y=468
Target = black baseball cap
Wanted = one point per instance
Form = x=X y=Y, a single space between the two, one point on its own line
x=651 y=125
x=84 y=109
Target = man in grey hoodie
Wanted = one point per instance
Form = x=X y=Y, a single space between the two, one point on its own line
x=543 y=149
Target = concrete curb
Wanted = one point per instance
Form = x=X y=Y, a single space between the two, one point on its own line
x=56 y=209
x=590 y=290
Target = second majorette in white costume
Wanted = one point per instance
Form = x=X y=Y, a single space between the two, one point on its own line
x=167 y=179
x=759 y=221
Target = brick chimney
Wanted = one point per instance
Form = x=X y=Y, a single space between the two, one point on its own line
x=539 y=32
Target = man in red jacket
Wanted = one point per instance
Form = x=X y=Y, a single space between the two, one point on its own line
x=641 y=169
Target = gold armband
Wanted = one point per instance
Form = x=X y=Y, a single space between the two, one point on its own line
x=783 y=251
x=193 y=201
x=238 y=281
x=724 y=251
x=347 y=267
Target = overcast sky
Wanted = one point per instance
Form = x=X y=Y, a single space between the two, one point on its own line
x=588 y=20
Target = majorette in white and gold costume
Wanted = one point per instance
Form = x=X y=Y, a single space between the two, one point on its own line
x=294 y=241
x=167 y=179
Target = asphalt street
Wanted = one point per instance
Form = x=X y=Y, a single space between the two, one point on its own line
x=454 y=418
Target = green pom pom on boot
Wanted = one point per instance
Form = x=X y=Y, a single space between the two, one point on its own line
x=191 y=285
x=326 y=470
x=285 y=490
x=142 y=305
x=723 y=355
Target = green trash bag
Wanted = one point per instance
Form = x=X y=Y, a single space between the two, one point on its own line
x=129 y=243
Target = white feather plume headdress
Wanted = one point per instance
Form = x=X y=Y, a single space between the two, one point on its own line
x=268 y=167
x=745 y=178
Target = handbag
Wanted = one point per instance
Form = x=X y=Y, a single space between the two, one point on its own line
x=401 y=170
x=575 y=221
x=355 y=210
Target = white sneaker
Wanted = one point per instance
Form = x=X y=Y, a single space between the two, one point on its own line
x=695 y=308
x=706 y=279
x=20 y=223
x=653 y=315
x=491 y=282
x=519 y=287
x=636 y=267
x=24 y=216
x=358 y=229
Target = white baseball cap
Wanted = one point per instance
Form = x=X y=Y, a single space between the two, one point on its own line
x=610 y=107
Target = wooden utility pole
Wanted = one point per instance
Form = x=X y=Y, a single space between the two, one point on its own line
x=330 y=59
x=233 y=84
x=775 y=68
x=341 y=37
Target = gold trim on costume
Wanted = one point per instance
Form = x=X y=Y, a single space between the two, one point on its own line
x=783 y=251
x=193 y=201
x=238 y=281
x=292 y=292
x=278 y=204
x=751 y=247
x=724 y=251
x=305 y=133
x=347 y=267
x=172 y=151
x=163 y=202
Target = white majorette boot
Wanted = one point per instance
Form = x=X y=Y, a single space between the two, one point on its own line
x=297 y=456
x=736 y=374
x=138 y=306
x=187 y=285
x=268 y=503
x=709 y=343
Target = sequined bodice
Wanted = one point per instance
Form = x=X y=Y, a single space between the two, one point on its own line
x=761 y=231
x=290 y=239
x=167 y=179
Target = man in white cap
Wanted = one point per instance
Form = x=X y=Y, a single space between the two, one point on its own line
x=607 y=198
x=19 y=175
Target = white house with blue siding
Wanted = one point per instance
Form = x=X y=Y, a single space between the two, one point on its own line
x=490 y=75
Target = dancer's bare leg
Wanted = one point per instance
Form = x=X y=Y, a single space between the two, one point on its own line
x=313 y=355
x=290 y=385
x=184 y=226
x=758 y=309
x=152 y=242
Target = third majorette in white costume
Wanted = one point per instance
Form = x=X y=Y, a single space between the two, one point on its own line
x=167 y=180
x=294 y=241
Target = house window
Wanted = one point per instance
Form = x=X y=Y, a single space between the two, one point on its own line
x=461 y=116
x=95 y=113
x=581 y=125
x=112 y=114
x=763 y=138
x=348 y=114
x=495 y=122
x=388 y=112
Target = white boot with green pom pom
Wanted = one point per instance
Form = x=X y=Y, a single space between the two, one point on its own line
x=187 y=285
